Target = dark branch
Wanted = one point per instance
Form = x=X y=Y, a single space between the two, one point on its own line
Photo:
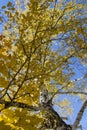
x=79 y=115
x=19 y=105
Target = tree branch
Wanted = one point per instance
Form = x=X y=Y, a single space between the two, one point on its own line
x=79 y=115
x=13 y=79
x=84 y=93
x=53 y=120
x=19 y=105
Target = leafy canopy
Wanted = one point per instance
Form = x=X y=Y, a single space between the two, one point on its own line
x=38 y=43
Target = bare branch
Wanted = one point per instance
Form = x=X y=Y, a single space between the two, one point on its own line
x=73 y=92
x=79 y=115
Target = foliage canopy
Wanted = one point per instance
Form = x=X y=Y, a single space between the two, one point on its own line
x=38 y=46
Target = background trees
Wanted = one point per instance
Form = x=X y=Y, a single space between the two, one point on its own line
x=39 y=45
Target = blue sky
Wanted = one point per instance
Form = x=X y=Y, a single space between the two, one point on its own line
x=76 y=102
x=79 y=72
x=3 y=2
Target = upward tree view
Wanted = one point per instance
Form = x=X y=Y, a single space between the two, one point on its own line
x=40 y=45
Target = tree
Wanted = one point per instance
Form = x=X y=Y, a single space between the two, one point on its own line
x=32 y=72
